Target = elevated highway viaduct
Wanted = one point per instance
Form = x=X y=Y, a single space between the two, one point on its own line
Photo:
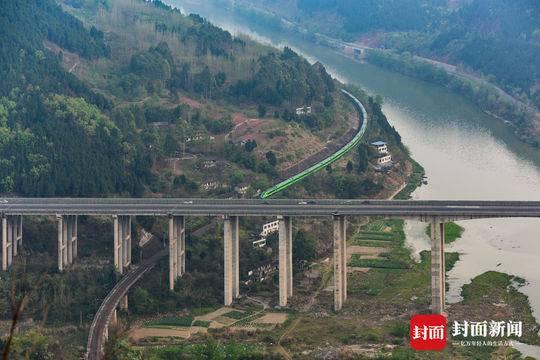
x=66 y=210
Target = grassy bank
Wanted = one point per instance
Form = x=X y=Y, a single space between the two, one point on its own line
x=415 y=180
x=502 y=292
x=211 y=349
x=452 y=232
x=484 y=95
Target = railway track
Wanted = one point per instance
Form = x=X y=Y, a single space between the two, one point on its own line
x=330 y=159
x=102 y=319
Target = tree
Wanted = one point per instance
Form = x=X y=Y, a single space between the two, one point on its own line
x=363 y=159
x=261 y=109
x=303 y=246
x=204 y=82
x=142 y=302
x=221 y=77
x=271 y=157
x=328 y=100
x=349 y=166
x=30 y=345
x=237 y=177
x=250 y=145
x=171 y=144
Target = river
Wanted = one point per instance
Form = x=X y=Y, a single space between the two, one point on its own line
x=466 y=153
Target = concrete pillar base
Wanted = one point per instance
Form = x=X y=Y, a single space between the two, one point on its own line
x=11 y=239
x=231 y=246
x=114 y=318
x=438 y=271
x=122 y=242
x=124 y=303
x=285 y=260
x=177 y=248
x=67 y=240
x=340 y=262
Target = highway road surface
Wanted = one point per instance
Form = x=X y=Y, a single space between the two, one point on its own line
x=266 y=207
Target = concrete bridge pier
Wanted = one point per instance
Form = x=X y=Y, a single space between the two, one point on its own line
x=177 y=248
x=231 y=246
x=438 y=271
x=285 y=260
x=67 y=240
x=11 y=239
x=124 y=303
x=122 y=248
x=340 y=261
x=114 y=318
x=122 y=242
x=17 y=233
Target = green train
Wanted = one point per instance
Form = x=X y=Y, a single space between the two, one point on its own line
x=329 y=160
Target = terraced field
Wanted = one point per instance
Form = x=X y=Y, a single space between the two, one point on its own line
x=387 y=237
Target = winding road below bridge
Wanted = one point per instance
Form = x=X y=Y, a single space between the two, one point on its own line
x=104 y=314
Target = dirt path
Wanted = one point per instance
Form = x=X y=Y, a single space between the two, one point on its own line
x=311 y=301
x=309 y=304
x=280 y=349
x=73 y=67
x=264 y=304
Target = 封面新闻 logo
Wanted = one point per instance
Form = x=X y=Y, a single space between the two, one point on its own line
x=428 y=332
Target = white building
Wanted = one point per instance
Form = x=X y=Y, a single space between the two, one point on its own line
x=380 y=146
x=269 y=228
x=384 y=160
x=212 y=185
x=198 y=138
x=241 y=190
x=259 y=242
x=303 y=110
x=209 y=163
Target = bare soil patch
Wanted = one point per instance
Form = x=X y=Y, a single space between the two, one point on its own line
x=191 y=102
x=272 y=318
x=214 y=314
x=367 y=252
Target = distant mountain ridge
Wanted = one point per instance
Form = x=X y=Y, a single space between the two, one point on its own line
x=483 y=42
x=497 y=38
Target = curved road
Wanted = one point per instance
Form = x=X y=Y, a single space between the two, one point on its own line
x=105 y=311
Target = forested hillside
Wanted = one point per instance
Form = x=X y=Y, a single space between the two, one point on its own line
x=496 y=39
x=388 y=15
x=56 y=138
x=85 y=128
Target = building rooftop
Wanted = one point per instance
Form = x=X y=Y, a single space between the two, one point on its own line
x=378 y=143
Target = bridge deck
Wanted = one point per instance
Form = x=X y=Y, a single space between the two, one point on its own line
x=260 y=207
